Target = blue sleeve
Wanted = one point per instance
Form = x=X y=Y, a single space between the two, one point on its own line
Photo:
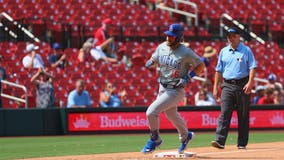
x=71 y=99
x=40 y=59
x=88 y=99
x=219 y=66
x=251 y=59
x=51 y=59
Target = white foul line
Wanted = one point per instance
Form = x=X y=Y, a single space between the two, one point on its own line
x=244 y=150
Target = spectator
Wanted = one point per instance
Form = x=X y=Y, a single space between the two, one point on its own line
x=2 y=77
x=267 y=98
x=207 y=87
x=272 y=82
x=57 y=59
x=108 y=98
x=203 y=99
x=209 y=52
x=101 y=36
x=278 y=97
x=45 y=91
x=79 y=98
x=32 y=59
x=98 y=54
x=84 y=52
x=259 y=92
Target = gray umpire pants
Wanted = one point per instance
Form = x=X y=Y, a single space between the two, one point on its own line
x=167 y=101
x=233 y=98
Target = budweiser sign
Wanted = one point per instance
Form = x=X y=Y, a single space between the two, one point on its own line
x=120 y=121
x=195 y=120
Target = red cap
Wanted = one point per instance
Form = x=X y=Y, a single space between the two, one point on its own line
x=107 y=21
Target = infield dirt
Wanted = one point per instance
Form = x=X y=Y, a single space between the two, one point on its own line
x=255 y=151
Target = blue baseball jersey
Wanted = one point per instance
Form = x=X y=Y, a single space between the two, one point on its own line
x=235 y=64
x=174 y=64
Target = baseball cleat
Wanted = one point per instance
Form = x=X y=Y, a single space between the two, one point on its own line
x=217 y=145
x=184 y=144
x=151 y=146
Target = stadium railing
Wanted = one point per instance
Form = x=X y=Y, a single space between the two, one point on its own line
x=23 y=100
x=239 y=25
x=175 y=10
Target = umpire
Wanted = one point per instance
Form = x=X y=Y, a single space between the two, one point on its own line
x=236 y=64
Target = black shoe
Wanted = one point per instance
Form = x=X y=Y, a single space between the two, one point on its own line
x=241 y=147
x=217 y=145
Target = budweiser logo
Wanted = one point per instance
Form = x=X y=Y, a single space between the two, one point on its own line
x=277 y=119
x=208 y=120
x=81 y=122
x=123 y=122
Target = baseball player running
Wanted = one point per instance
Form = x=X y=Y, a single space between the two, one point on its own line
x=175 y=61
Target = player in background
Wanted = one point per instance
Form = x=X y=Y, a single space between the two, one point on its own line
x=174 y=60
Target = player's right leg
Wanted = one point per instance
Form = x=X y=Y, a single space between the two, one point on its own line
x=152 y=114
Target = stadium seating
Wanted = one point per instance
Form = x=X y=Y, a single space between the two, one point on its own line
x=139 y=82
x=127 y=21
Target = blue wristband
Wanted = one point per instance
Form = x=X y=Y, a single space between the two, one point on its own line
x=192 y=74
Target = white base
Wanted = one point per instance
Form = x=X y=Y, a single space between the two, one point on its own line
x=173 y=154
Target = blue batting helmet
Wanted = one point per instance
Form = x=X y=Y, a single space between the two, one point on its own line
x=175 y=30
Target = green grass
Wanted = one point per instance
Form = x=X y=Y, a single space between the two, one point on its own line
x=27 y=147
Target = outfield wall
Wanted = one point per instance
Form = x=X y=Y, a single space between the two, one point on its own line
x=33 y=122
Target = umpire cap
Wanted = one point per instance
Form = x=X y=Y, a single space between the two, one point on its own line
x=233 y=31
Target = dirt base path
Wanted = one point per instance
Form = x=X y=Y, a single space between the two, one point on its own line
x=259 y=151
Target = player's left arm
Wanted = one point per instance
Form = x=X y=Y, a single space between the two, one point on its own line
x=198 y=66
x=196 y=71
x=196 y=62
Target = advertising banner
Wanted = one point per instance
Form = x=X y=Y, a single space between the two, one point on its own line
x=119 y=121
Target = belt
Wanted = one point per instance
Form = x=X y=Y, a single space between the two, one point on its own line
x=169 y=86
x=237 y=81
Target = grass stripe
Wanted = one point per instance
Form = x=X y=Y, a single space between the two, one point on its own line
x=27 y=147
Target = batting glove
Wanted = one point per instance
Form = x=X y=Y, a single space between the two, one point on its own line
x=182 y=83
x=149 y=63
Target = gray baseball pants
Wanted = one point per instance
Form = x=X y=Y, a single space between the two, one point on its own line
x=167 y=101
x=233 y=98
